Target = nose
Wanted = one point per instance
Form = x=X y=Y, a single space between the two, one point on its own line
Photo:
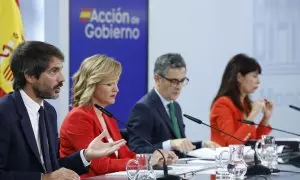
x=258 y=80
x=61 y=77
x=116 y=88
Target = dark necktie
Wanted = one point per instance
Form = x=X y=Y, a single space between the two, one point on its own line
x=44 y=141
x=173 y=117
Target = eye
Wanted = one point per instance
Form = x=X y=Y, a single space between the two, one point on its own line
x=54 y=71
x=111 y=83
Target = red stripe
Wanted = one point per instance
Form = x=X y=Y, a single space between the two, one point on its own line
x=84 y=19
x=86 y=9
x=10 y=77
x=6 y=69
x=2 y=93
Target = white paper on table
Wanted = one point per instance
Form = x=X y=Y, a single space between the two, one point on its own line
x=210 y=154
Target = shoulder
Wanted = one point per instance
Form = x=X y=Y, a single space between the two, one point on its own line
x=8 y=104
x=5 y=101
x=80 y=111
x=49 y=107
x=79 y=116
x=144 y=102
x=223 y=101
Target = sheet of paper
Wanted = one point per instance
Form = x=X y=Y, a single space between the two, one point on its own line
x=210 y=154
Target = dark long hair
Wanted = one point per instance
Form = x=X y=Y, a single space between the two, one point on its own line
x=229 y=87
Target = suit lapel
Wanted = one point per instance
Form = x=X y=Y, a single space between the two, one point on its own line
x=26 y=124
x=162 y=111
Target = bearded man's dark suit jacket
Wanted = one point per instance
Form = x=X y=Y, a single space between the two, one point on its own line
x=149 y=120
x=19 y=155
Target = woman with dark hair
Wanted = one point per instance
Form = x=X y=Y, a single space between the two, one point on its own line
x=232 y=103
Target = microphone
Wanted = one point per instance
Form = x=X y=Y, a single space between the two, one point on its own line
x=201 y=122
x=294 y=107
x=256 y=169
x=165 y=167
x=276 y=129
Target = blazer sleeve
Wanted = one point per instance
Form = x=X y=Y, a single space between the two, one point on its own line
x=80 y=134
x=74 y=162
x=140 y=124
x=223 y=113
x=262 y=131
x=5 y=134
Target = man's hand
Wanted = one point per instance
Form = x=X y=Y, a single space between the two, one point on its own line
x=210 y=144
x=170 y=157
x=182 y=145
x=61 y=174
x=97 y=148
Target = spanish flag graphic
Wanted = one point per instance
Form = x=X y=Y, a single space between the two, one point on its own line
x=85 y=14
x=11 y=35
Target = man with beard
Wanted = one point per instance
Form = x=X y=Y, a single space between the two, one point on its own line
x=28 y=123
x=157 y=116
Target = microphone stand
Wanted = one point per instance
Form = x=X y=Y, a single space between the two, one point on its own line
x=166 y=175
x=256 y=169
x=276 y=129
x=294 y=107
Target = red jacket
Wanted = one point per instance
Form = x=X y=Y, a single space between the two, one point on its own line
x=79 y=128
x=225 y=115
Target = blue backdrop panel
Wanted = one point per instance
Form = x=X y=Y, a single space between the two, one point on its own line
x=118 y=29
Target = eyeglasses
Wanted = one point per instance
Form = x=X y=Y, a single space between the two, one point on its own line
x=177 y=82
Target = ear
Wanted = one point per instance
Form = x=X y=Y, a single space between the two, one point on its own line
x=30 y=78
x=156 y=79
x=239 y=77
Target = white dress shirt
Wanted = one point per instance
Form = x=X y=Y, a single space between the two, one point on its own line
x=32 y=108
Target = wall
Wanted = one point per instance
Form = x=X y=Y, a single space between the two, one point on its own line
x=209 y=33
x=47 y=20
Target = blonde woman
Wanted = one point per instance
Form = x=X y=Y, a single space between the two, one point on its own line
x=96 y=82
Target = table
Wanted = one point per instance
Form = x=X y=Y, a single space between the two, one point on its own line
x=201 y=176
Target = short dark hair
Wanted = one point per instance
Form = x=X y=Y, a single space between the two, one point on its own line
x=166 y=61
x=31 y=58
x=240 y=63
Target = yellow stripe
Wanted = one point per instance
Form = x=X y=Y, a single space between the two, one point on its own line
x=11 y=35
x=85 y=14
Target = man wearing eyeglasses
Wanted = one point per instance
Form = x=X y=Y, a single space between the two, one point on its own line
x=157 y=117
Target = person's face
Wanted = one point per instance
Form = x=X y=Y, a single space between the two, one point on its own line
x=170 y=86
x=50 y=81
x=105 y=92
x=249 y=82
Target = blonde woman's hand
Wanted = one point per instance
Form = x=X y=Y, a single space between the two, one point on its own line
x=97 y=148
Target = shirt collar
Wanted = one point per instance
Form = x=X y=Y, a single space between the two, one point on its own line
x=30 y=103
x=163 y=100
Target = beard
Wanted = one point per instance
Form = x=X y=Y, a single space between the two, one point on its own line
x=46 y=92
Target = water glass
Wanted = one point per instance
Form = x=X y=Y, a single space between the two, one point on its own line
x=266 y=150
x=140 y=168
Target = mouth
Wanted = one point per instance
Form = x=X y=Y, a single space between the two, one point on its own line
x=57 y=90
x=113 y=96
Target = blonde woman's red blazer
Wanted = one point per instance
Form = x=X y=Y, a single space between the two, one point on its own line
x=79 y=128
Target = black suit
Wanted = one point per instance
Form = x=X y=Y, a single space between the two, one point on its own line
x=149 y=119
x=19 y=156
